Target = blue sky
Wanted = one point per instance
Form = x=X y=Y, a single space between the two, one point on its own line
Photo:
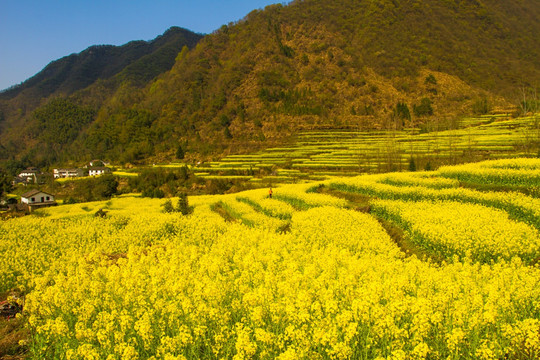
x=35 y=32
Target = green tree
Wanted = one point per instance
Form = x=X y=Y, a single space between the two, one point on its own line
x=168 y=206
x=13 y=167
x=105 y=187
x=183 y=205
x=481 y=106
x=424 y=109
x=5 y=183
x=412 y=164
x=158 y=193
x=59 y=122
x=180 y=153
x=402 y=111
x=224 y=120
x=430 y=79
x=183 y=173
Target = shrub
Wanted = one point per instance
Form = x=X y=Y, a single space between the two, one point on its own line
x=424 y=109
x=158 y=193
x=167 y=206
x=412 y=165
x=430 y=79
x=481 y=106
x=180 y=153
x=183 y=206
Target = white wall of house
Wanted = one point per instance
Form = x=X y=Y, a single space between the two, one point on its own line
x=65 y=173
x=100 y=171
x=37 y=198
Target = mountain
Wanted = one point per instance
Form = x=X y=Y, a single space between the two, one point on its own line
x=139 y=61
x=308 y=65
x=83 y=81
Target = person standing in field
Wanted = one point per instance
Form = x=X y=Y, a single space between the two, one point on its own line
x=270 y=193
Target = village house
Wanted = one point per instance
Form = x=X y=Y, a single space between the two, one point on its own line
x=36 y=199
x=67 y=173
x=29 y=172
x=98 y=163
x=98 y=170
x=29 y=175
x=17 y=180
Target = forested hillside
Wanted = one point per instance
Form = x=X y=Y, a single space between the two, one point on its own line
x=310 y=64
x=83 y=80
x=138 y=61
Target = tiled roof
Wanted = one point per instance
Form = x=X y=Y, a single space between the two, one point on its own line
x=34 y=192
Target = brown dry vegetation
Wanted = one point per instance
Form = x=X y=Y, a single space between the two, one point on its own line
x=13 y=334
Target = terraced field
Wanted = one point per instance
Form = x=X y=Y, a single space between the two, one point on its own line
x=416 y=265
x=318 y=155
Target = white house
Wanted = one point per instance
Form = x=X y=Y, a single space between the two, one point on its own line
x=96 y=163
x=31 y=171
x=29 y=175
x=98 y=170
x=37 y=197
x=65 y=173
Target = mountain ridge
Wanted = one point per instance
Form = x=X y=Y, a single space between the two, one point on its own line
x=314 y=64
x=97 y=62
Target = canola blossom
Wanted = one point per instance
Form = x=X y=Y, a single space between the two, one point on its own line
x=143 y=284
x=425 y=179
x=514 y=172
x=261 y=202
x=300 y=197
x=450 y=228
x=518 y=205
x=248 y=215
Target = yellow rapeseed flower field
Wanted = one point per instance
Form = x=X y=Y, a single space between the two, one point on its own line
x=300 y=276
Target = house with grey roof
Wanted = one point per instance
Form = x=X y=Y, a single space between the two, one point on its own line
x=36 y=199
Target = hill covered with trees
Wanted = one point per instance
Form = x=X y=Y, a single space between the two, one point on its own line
x=138 y=61
x=310 y=64
x=83 y=82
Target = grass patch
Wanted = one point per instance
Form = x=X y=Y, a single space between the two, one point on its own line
x=257 y=207
x=527 y=190
x=13 y=334
x=12 y=337
x=359 y=202
x=296 y=203
x=402 y=241
x=220 y=209
x=229 y=214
